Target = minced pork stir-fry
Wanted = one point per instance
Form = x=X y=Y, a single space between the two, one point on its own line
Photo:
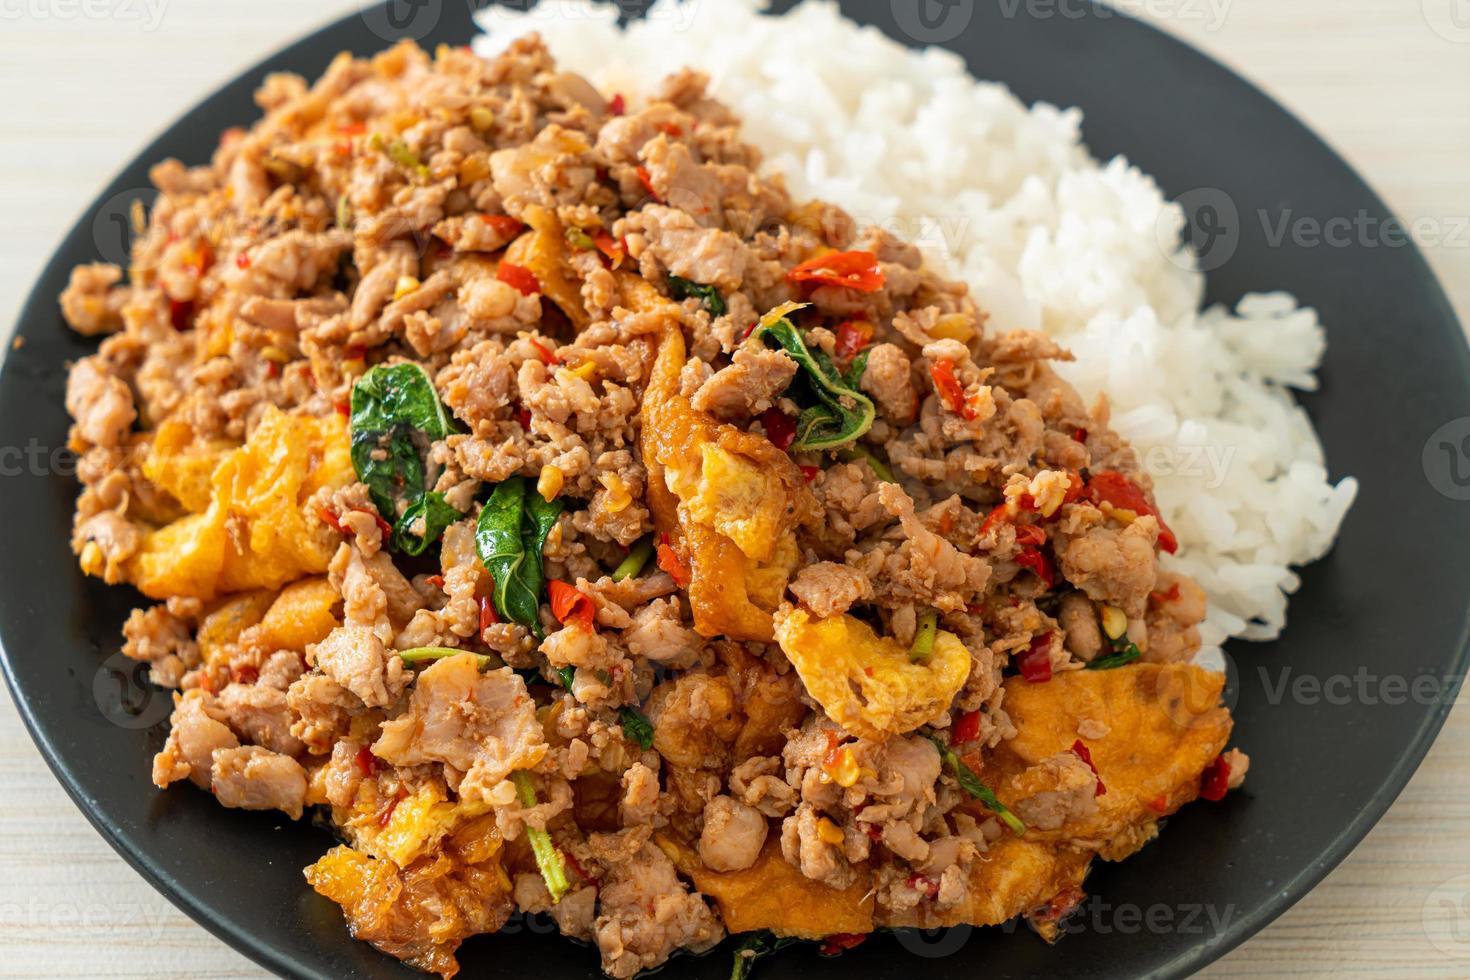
x=583 y=526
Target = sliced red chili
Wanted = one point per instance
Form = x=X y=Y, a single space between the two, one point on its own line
x=646 y=179
x=615 y=251
x=967 y=729
x=1030 y=536
x=523 y=416
x=669 y=561
x=1112 y=487
x=387 y=816
x=1079 y=435
x=504 y=225
x=181 y=313
x=951 y=392
x=383 y=526
x=1036 y=561
x=330 y=520
x=840 y=943
x=570 y=605
x=809 y=473
x=519 y=278
x=1215 y=780
x=543 y=352
x=1082 y=752
x=924 y=884
x=488 y=618
x=852 y=337
x=245 y=675
x=853 y=270
x=780 y=428
x=617 y=105
x=670 y=129
x=242 y=260
x=437 y=581
x=367 y=763
x=353 y=128
x=1035 y=663
x=1159 y=804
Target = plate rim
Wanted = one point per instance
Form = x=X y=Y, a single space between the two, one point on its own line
x=1232 y=936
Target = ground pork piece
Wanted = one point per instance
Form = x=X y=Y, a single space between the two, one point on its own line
x=573 y=915
x=755 y=782
x=748 y=386
x=1079 y=620
x=163 y=641
x=830 y=589
x=194 y=736
x=696 y=718
x=253 y=778
x=1061 y=789
x=640 y=795
x=733 y=835
x=657 y=632
x=1176 y=607
x=356 y=658
x=646 y=912
x=889 y=379
x=101 y=403
x=343 y=773
x=805 y=846
x=633 y=591
x=1239 y=764
x=89 y=303
x=552 y=170
x=260 y=716
x=1113 y=565
x=667 y=240
x=281 y=669
x=324 y=709
x=482 y=724
x=927 y=566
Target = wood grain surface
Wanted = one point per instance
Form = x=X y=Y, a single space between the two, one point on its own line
x=87 y=82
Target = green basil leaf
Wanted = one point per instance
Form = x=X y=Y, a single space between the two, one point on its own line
x=509 y=538
x=759 y=944
x=1122 y=658
x=681 y=289
x=396 y=415
x=970 y=783
x=834 y=413
x=567 y=675
x=636 y=726
x=437 y=514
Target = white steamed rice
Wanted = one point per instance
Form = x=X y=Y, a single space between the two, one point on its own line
x=1009 y=200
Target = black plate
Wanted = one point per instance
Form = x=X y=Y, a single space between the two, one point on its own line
x=1389 y=603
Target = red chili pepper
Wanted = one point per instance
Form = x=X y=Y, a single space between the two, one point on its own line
x=519 y=278
x=852 y=337
x=383 y=526
x=922 y=883
x=354 y=353
x=967 y=729
x=487 y=615
x=570 y=605
x=387 y=816
x=1159 y=804
x=1035 y=663
x=242 y=260
x=1082 y=752
x=330 y=520
x=437 y=581
x=1030 y=536
x=343 y=409
x=854 y=270
x=1114 y=488
x=780 y=428
x=343 y=148
x=504 y=225
x=1163 y=598
x=749 y=330
x=611 y=248
x=834 y=742
x=840 y=943
x=543 y=352
x=272 y=369
x=1215 y=780
x=646 y=179
x=1060 y=905
x=996 y=516
x=617 y=105
x=367 y=763
x=669 y=561
x=950 y=390
x=353 y=129
x=523 y=416
x=575 y=865
x=1037 y=562
x=245 y=675
x=1079 y=435
x=809 y=473
x=181 y=313
x=670 y=129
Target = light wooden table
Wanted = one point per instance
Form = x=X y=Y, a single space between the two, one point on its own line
x=1386 y=81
